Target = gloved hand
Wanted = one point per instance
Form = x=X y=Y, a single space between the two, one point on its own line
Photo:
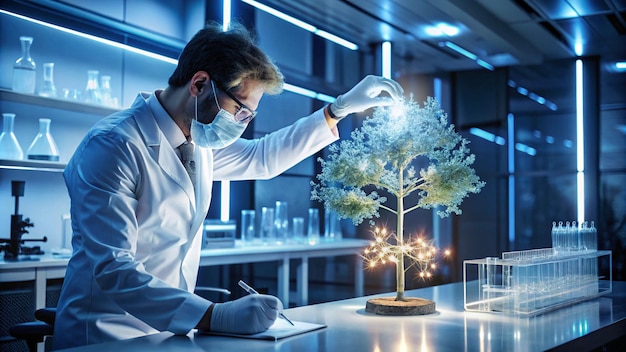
x=247 y=315
x=366 y=94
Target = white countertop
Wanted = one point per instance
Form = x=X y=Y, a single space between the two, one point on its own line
x=581 y=326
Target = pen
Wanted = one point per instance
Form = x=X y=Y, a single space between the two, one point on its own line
x=252 y=291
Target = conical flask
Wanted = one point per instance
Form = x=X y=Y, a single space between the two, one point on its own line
x=43 y=146
x=9 y=147
x=24 y=69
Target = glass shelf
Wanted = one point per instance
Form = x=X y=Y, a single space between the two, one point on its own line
x=62 y=104
x=32 y=165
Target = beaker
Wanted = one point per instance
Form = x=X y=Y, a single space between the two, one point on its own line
x=9 y=147
x=92 y=91
x=267 y=225
x=247 y=225
x=332 y=226
x=313 y=233
x=297 y=229
x=24 y=69
x=281 y=221
x=47 y=88
x=43 y=146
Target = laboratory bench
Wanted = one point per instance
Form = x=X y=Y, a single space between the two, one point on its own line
x=48 y=266
x=582 y=326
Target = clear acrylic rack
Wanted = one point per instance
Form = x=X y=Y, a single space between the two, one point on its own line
x=532 y=282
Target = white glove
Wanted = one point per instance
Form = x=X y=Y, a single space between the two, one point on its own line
x=247 y=315
x=365 y=95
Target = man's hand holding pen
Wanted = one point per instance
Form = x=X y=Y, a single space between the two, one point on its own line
x=247 y=315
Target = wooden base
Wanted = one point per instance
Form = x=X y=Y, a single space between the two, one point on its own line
x=409 y=306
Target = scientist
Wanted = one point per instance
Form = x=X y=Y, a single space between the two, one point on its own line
x=137 y=211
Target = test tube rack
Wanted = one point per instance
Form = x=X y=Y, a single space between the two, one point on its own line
x=532 y=282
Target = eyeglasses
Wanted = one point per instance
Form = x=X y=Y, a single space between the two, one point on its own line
x=244 y=114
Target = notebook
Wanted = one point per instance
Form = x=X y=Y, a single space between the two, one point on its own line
x=279 y=330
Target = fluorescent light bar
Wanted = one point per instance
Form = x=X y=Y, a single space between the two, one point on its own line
x=511 y=168
x=484 y=64
x=308 y=93
x=299 y=90
x=225 y=201
x=325 y=98
x=470 y=55
x=94 y=38
x=302 y=24
x=386 y=59
x=226 y=14
x=478 y=132
x=460 y=50
x=580 y=142
x=336 y=39
x=620 y=65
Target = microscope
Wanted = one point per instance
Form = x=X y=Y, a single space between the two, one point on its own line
x=14 y=246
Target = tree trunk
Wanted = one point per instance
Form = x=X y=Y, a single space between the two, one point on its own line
x=400 y=235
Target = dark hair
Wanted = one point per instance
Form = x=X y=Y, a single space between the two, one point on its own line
x=229 y=57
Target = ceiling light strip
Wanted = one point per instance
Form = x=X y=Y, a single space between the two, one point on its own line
x=306 y=26
x=468 y=54
x=94 y=38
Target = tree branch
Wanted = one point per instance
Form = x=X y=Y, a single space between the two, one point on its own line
x=388 y=209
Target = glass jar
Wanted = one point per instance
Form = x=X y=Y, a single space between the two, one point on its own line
x=47 y=88
x=43 y=146
x=9 y=147
x=92 y=91
x=24 y=69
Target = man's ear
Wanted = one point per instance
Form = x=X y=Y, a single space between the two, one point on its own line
x=198 y=82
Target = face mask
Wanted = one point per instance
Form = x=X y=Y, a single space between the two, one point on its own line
x=222 y=132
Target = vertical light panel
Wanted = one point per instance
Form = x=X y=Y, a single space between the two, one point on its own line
x=225 y=185
x=386 y=59
x=510 y=149
x=226 y=14
x=580 y=142
x=436 y=218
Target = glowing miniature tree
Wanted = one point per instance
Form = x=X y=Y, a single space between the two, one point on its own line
x=380 y=157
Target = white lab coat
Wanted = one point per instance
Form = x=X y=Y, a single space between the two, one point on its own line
x=137 y=223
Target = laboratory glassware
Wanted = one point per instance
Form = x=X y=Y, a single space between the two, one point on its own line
x=247 y=225
x=332 y=226
x=24 y=69
x=43 y=146
x=267 y=225
x=281 y=221
x=93 y=95
x=297 y=228
x=9 y=146
x=313 y=233
x=47 y=88
x=105 y=90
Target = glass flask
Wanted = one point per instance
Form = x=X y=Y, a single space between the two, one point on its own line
x=43 y=146
x=105 y=91
x=24 y=69
x=9 y=147
x=93 y=95
x=48 y=89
